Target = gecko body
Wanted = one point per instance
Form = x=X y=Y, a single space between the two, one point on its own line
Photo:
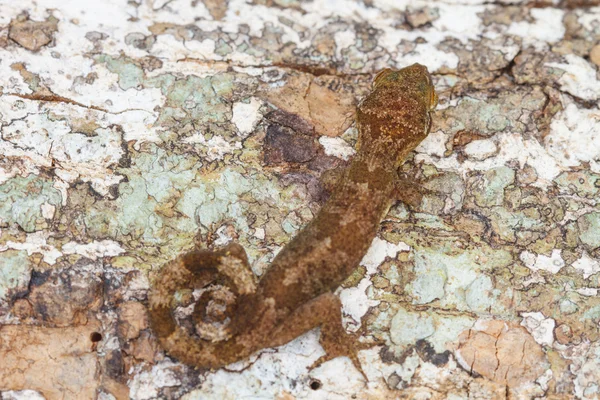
x=295 y=294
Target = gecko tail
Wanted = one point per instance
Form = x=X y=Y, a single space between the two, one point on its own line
x=216 y=281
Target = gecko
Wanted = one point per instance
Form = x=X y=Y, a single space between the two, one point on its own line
x=236 y=316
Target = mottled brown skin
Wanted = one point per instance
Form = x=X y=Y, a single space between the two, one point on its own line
x=295 y=294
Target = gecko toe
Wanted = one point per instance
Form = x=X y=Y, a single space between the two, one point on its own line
x=337 y=343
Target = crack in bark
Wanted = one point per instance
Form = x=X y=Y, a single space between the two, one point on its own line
x=65 y=100
x=314 y=70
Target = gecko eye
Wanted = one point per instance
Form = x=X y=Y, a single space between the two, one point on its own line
x=433 y=101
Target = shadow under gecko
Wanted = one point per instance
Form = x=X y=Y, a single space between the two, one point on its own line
x=296 y=293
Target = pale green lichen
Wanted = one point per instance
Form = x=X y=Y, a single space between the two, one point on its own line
x=21 y=200
x=489 y=190
x=230 y=195
x=407 y=327
x=131 y=76
x=191 y=99
x=479 y=294
x=589 y=229
x=15 y=272
x=510 y=225
x=154 y=179
x=582 y=183
x=449 y=184
x=568 y=307
x=216 y=200
x=167 y=199
x=222 y=48
x=453 y=277
x=430 y=281
x=495 y=114
x=447 y=329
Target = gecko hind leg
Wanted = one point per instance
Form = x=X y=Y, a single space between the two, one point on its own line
x=324 y=311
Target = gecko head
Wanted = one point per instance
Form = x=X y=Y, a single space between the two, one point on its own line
x=414 y=81
x=396 y=116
